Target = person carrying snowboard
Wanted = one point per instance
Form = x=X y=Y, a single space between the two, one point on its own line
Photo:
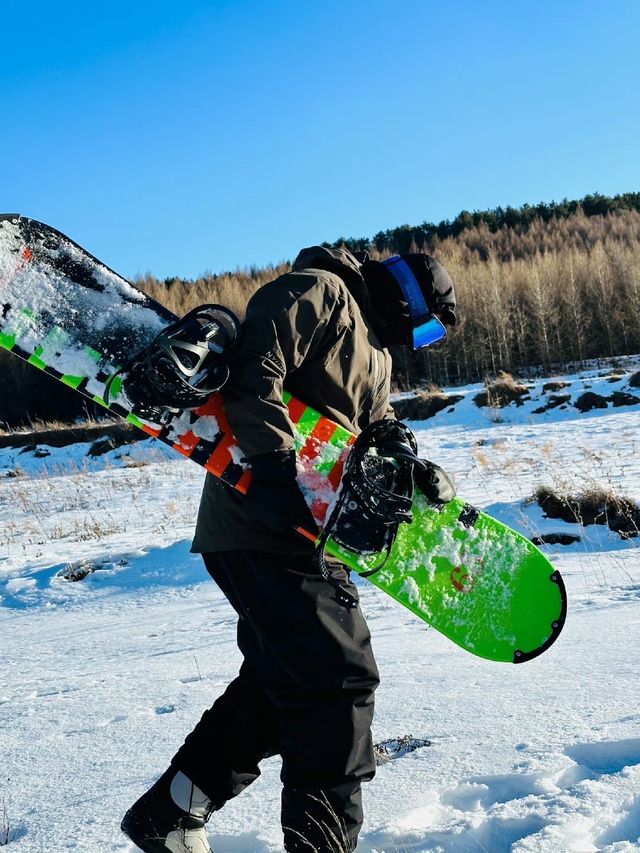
x=305 y=690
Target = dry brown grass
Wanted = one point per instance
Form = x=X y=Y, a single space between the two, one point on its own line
x=8 y=831
x=38 y=426
x=59 y=434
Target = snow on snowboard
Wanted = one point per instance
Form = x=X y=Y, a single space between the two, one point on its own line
x=481 y=584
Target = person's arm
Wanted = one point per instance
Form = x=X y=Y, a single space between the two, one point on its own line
x=281 y=330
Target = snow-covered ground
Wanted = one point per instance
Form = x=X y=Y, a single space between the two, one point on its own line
x=101 y=679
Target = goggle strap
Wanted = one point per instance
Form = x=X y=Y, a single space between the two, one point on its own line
x=412 y=291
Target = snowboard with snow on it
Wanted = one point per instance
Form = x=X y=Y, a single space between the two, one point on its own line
x=471 y=577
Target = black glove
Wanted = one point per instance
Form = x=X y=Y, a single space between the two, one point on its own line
x=274 y=498
x=434 y=482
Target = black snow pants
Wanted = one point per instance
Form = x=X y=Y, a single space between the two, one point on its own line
x=305 y=692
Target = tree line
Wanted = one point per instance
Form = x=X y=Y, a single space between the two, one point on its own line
x=562 y=292
x=550 y=288
x=424 y=237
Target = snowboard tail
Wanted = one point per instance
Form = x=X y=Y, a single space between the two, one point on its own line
x=471 y=577
x=483 y=585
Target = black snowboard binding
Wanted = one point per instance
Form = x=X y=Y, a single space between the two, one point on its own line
x=376 y=494
x=183 y=365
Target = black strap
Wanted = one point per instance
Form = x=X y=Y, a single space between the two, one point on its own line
x=385 y=508
x=346 y=598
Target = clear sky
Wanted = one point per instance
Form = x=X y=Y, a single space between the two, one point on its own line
x=179 y=137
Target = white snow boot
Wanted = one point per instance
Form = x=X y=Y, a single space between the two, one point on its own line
x=170 y=817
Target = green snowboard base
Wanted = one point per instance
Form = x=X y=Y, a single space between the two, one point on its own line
x=479 y=582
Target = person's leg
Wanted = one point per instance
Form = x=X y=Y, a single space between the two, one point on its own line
x=222 y=753
x=312 y=658
x=217 y=761
x=305 y=690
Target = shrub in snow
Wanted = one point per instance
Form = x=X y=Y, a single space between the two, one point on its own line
x=590 y=400
x=556 y=385
x=425 y=404
x=501 y=392
x=101 y=446
x=596 y=506
x=622 y=398
x=554 y=401
x=555 y=539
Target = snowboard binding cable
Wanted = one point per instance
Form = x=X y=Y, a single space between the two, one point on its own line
x=376 y=496
x=181 y=368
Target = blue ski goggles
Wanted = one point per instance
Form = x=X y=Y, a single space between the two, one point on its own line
x=426 y=329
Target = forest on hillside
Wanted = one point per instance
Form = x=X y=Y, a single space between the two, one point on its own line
x=544 y=285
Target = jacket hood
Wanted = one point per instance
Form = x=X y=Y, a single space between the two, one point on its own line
x=342 y=263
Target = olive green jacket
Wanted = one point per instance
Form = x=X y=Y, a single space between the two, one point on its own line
x=307 y=332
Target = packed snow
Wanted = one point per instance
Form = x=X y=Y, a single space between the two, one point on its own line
x=103 y=677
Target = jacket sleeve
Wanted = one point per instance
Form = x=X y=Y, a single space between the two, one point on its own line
x=282 y=329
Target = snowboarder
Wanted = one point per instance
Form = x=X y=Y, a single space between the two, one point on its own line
x=306 y=685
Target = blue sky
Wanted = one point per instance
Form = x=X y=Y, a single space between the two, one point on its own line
x=182 y=137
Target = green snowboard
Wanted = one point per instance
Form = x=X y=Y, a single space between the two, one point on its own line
x=472 y=578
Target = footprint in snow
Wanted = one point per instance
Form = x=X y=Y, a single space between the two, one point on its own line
x=535 y=810
x=605 y=757
x=626 y=830
x=486 y=791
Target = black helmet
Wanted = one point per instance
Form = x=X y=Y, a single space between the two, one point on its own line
x=407 y=292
